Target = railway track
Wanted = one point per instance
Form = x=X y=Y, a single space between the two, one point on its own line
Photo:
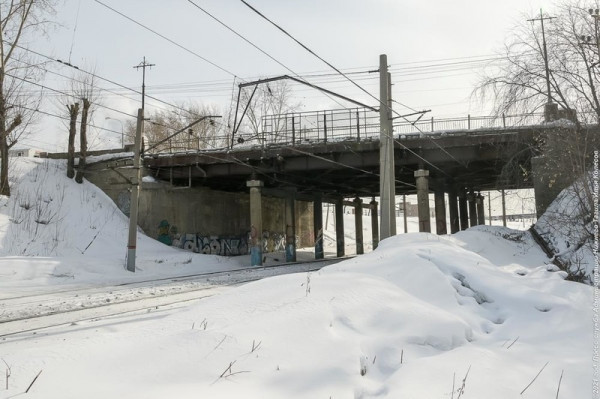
x=30 y=313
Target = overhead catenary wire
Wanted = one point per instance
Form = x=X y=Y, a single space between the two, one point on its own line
x=350 y=80
x=255 y=46
x=100 y=77
x=167 y=39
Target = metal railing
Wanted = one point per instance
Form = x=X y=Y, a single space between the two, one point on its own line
x=360 y=124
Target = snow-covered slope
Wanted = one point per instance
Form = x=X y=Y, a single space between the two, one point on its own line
x=51 y=223
x=568 y=227
x=418 y=318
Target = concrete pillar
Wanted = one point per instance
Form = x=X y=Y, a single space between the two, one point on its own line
x=504 y=208
x=318 y=227
x=374 y=223
x=472 y=209
x=422 y=177
x=440 y=211
x=290 y=229
x=358 y=226
x=255 y=244
x=480 y=209
x=453 y=208
x=404 y=216
x=339 y=227
x=462 y=206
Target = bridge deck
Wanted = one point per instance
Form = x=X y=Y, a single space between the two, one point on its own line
x=467 y=158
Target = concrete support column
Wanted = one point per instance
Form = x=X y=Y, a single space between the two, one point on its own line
x=480 y=209
x=290 y=227
x=462 y=206
x=440 y=211
x=256 y=232
x=358 y=226
x=339 y=227
x=504 y=208
x=404 y=216
x=453 y=208
x=422 y=177
x=472 y=209
x=374 y=224
x=318 y=227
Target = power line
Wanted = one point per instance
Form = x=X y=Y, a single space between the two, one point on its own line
x=167 y=39
x=252 y=44
x=99 y=77
x=67 y=94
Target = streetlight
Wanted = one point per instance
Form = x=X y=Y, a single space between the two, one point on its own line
x=122 y=130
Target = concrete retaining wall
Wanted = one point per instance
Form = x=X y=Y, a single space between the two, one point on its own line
x=198 y=218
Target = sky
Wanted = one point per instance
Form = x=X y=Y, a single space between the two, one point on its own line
x=435 y=51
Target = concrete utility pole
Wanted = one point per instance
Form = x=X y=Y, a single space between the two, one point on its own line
x=550 y=108
x=135 y=194
x=387 y=177
x=136 y=180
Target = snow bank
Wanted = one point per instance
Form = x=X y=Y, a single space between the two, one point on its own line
x=409 y=320
x=50 y=223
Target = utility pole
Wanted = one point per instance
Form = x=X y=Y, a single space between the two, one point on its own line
x=550 y=108
x=387 y=178
x=136 y=179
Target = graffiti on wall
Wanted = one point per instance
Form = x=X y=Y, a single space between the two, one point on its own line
x=219 y=245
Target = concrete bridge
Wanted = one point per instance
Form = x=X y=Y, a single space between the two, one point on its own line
x=271 y=187
x=338 y=159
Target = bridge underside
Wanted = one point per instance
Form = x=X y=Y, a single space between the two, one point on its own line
x=483 y=160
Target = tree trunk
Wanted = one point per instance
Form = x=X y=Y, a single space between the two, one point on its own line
x=83 y=140
x=73 y=111
x=4 y=187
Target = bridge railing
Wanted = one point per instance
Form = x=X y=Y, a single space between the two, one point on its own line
x=359 y=124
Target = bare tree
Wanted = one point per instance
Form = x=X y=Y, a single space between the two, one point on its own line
x=163 y=123
x=83 y=139
x=18 y=20
x=82 y=94
x=518 y=84
x=73 y=113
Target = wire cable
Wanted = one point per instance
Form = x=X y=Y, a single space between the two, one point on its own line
x=167 y=39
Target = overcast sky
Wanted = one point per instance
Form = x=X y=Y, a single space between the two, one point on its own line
x=350 y=34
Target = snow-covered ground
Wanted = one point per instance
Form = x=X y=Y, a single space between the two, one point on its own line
x=480 y=314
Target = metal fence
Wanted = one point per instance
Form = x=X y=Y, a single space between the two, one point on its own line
x=359 y=124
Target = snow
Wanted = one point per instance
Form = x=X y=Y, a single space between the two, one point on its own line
x=481 y=311
x=568 y=228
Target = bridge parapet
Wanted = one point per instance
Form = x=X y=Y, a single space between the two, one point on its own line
x=359 y=124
